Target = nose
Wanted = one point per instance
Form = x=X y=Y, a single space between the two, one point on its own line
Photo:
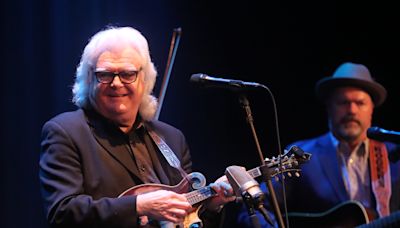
x=353 y=107
x=116 y=82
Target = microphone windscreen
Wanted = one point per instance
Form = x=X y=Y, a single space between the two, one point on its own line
x=381 y=134
x=373 y=131
x=242 y=182
x=196 y=77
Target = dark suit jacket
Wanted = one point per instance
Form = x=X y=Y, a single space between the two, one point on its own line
x=320 y=185
x=86 y=163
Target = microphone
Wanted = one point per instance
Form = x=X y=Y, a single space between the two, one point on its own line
x=232 y=84
x=249 y=189
x=381 y=134
x=242 y=182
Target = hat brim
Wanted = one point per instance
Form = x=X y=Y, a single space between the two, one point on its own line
x=325 y=86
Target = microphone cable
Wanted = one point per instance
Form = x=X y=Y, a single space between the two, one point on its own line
x=278 y=141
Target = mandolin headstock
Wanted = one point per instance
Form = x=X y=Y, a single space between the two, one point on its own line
x=288 y=163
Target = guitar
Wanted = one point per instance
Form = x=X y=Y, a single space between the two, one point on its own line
x=346 y=214
x=195 y=192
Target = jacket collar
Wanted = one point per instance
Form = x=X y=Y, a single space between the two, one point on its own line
x=331 y=168
x=112 y=139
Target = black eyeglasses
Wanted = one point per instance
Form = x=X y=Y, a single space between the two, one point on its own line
x=126 y=77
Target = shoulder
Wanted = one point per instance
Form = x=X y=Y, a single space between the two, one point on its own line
x=312 y=142
x=71 y=116
x=166 y=131
x=67 y=120
x=163 y=127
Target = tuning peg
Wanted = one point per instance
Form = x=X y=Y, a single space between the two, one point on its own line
x=297 y=174
x=276 y=178
x=289 y=174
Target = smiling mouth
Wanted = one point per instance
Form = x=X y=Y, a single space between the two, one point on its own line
x=117 y=95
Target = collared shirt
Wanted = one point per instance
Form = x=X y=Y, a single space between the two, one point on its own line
x=141 y=155
x=354 y=168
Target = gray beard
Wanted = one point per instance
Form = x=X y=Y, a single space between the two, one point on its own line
x=349 y=134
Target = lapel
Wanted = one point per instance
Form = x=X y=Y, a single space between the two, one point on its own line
x=166 y=172
x=327 y=159
x=159 y=168
x=114 y=141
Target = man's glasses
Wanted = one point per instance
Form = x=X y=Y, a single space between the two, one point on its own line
x=126 y=77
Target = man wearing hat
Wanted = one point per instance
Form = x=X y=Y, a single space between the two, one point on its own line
x=347 y=172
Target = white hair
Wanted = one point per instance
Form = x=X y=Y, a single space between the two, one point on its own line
x=115 y=38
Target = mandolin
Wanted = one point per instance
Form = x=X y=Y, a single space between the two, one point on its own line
x=194 y=189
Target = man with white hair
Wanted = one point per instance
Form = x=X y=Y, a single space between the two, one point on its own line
x=91 y=156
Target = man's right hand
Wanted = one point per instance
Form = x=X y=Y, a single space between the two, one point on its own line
x=163 y=205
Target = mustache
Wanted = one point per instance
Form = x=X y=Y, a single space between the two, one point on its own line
x=350 y=118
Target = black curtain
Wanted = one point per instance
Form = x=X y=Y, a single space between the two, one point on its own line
x=286 y=46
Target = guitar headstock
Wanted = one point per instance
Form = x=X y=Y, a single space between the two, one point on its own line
x=288 y=163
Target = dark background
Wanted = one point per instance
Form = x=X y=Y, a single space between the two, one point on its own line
x=285 y=46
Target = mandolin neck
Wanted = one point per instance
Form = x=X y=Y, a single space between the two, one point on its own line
x=207 y=192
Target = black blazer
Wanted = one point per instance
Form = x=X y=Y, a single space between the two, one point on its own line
x=86 y=163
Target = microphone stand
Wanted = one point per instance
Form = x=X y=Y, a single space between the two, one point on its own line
x=265 y=171
x=247 y=199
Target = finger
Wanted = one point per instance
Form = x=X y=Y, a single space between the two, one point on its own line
x=225 y=186
x=222 y=179
x=179 y=213
x=184 y=205
x=216 y=187
x=177 y=196
x=224 y=191
x=228 y=190
x=174 y=218
x=222 y=188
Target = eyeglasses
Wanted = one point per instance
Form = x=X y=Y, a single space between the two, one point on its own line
x=126 y=77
